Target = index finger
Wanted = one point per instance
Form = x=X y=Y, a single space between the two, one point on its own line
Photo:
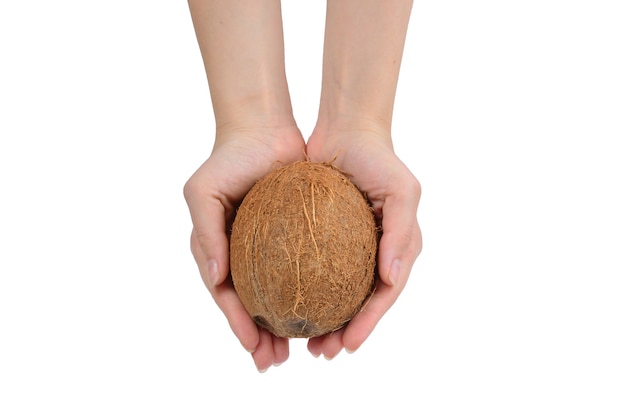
x=228 y=301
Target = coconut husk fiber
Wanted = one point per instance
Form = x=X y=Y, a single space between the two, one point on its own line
x=303 y=250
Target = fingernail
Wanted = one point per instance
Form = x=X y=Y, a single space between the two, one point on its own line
x=262 y=370
x=213 y=273
x=349 y=351
x=394 y=272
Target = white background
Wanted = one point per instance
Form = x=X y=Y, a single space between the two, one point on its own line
x=511 y=114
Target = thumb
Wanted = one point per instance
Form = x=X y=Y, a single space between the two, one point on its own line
x=209 y=242
x=401 y=240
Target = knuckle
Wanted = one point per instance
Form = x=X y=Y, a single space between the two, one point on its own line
x=414 y=187
x=191 y=188
x=203 y=238
x=411 y=239
x=417 y=187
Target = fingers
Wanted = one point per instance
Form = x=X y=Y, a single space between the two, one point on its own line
x=401 y=240
x=281 y=350
x=358 y=329
x=263 y=356
x=228 y=301
x=208 y=215
x=271 y=351
x=314 y=346
x=364 y=322
x=266 y=349
x=328 y=345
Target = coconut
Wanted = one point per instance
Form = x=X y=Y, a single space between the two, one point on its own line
x=303 y=250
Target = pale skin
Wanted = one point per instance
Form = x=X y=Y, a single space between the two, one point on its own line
x=241 y=43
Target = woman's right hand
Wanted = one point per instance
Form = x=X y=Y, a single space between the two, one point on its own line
x=239 y=158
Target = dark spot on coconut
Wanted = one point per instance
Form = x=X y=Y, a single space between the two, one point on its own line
x=261 y=321
x=301 y=327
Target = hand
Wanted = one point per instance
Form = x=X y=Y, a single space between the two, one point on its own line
x=368 y=156
x=239 y=158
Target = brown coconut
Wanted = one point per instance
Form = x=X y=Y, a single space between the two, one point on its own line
x=303 y=250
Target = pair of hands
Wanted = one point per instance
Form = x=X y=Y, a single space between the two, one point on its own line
x=239 y=158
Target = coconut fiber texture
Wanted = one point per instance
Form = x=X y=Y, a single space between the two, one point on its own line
x=303 y=250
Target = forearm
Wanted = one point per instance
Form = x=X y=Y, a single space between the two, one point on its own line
x=242 y=47
x=363 y=47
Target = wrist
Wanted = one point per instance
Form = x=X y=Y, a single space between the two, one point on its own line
x=277 y=137
x=337 y=123
x=248 y=116
x=349 y=102
x=331 y=139
x=260 y=102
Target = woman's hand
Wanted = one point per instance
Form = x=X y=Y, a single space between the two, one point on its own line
x=240 y=157
x=368 y=157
